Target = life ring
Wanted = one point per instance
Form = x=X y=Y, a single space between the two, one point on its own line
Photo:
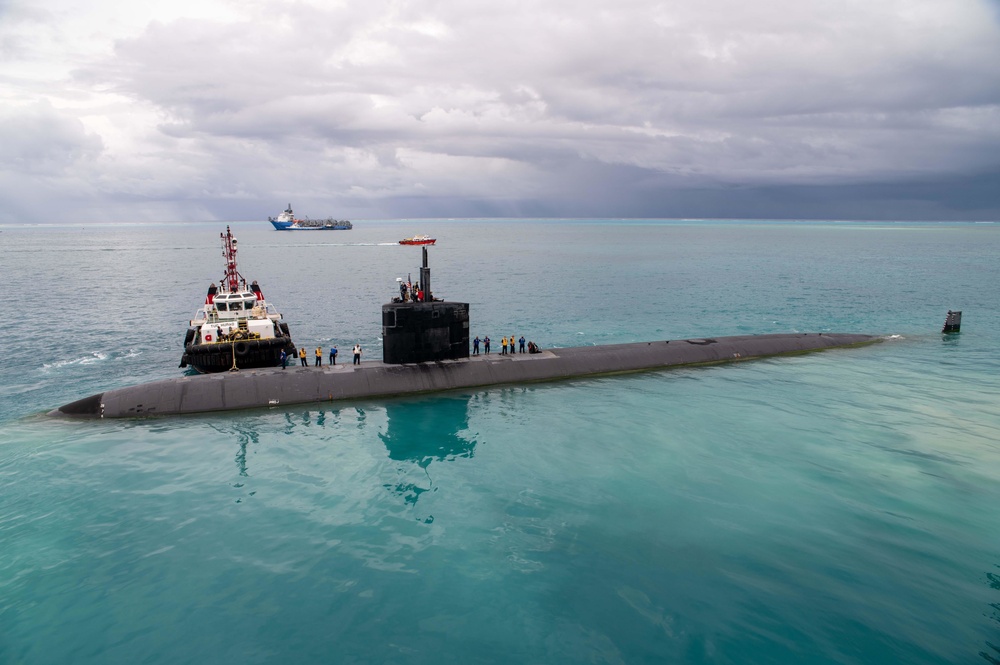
x=241 y=348
x=208 y=337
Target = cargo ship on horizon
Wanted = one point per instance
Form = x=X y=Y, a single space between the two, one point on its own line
x=287 y=221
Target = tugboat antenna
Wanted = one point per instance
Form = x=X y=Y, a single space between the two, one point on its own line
x=233 y=278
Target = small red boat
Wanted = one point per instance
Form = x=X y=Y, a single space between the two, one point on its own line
x=418 y=240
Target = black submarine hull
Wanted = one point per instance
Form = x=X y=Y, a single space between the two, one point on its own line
x=268 y=387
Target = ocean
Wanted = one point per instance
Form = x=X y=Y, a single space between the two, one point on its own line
x=837 y=507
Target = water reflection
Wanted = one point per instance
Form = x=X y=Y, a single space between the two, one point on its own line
x=246 y=433
x=414 y=433
x=308 y=418
x=428 y=430
x=422 y=432
x=241 y=458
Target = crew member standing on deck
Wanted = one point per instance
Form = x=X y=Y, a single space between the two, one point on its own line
x=521 y=344
x=319 y=357
x=486 y=344
x=284 y=359
x=333 y=355
x=503 y=346
x=475 y=346
x=302 y=356
x=357 y=354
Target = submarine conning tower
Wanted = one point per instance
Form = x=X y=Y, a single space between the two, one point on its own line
x=418 y=328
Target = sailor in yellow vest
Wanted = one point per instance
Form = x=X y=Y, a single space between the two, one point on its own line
x=302 y=356
x=503 y=346
x=319 y=357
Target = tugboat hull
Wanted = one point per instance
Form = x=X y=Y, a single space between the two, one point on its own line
x=245 y=354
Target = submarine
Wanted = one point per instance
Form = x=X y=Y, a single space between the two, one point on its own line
x=425 y=350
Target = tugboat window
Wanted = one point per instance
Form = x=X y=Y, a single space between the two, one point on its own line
x=221 y=306
x=235 y=306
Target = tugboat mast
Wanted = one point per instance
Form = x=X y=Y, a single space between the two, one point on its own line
x=233 y=279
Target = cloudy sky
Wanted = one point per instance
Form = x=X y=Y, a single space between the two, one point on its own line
x=186 y=110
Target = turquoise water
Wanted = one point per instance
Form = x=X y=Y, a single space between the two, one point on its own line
x=830 y=508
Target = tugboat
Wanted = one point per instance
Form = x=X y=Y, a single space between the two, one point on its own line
x=418 y=240
x=235 y=328
x=287 y=221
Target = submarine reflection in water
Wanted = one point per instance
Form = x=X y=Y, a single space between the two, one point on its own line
x=427 y=430
x=420 y=432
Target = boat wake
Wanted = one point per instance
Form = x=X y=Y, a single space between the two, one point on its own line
x=90 y=359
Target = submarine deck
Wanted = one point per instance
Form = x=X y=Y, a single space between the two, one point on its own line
x=274 y=386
